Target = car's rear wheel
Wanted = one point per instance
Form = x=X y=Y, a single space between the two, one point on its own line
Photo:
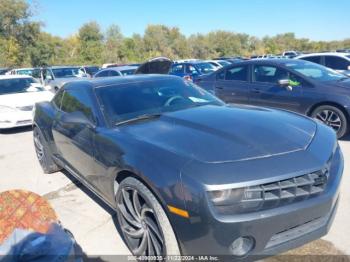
x=44 y=156
x=144 y=224
x=332 y=117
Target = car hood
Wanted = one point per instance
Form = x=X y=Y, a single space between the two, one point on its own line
x=217 y=134
x=25 y=99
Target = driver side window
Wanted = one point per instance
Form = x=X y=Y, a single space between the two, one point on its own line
x=77 y=101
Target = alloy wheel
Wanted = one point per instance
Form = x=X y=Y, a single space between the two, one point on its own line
x=330 y=118
x=139 y=223
x=39 y=148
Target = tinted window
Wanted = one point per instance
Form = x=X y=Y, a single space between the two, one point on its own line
x=336 y=63
x=190 y=69
x=205 y=68
x=314 y=71
x=237 y=73
x=92 y=70
x=269 y=74
x=65 y=72
x=113 y=73
x=128 y=72
x=314 y=59
x=102 y=73
x=19 y=85
x=58 y=98
x=178 y=69
x=31 y=72
x=130 y=100
x=77 y=101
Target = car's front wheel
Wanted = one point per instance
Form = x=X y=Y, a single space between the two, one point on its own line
x=332 y=117
x=144 y=224
x=43 y=154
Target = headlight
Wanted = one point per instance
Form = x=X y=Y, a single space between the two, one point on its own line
x=226 y=197
x=7 y=109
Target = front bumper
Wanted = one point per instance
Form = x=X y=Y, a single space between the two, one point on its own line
x=16 y=119
x=274 y=230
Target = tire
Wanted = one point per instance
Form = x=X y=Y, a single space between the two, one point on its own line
x=43 y=154
x=138 y=221
x=333 y=117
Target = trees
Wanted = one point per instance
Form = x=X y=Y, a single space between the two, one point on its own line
x=23 y=43
x=90 y=43
x=17 y=32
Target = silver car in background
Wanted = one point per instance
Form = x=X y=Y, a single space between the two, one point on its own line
x=56 y=76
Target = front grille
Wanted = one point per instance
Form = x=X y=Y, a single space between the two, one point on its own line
x=286 y=191
x=300 y=186
x=279 y=193
x=25 y=108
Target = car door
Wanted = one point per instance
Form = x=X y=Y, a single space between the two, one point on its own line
x=266 y=91
x=74 y=132
x=232 y=85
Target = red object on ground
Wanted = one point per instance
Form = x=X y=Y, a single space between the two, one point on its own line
x=25 y=210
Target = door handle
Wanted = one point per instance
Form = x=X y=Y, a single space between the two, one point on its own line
x=219 y=87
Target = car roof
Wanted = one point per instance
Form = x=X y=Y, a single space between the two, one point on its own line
x=325 y=53
x=120 y=68
x=2 y=77
x=118 y=80
x=58 y=67
x=281 y=61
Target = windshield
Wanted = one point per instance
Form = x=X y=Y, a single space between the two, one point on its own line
x=128 y=101
x=91 y=70
x=65 y=72
x=205 y=68
x=224 y=63
x=127 y=72
x=19 y=85
x=30 y=72
x=314 y=71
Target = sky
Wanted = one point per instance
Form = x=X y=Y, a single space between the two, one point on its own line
x=313 y=19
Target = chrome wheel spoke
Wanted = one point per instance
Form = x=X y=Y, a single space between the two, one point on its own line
x=154 y=228
x=134 y=233
x=136 y=203
x=127 y=201
x=128 y=217
x=157 y=246
x=142 y=247
x=150 y=248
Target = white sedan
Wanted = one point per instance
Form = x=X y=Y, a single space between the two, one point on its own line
x=18 y=94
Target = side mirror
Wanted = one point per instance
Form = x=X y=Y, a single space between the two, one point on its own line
x=48 y=77
x=349 y=67
x=77 y=118
x=285 y=83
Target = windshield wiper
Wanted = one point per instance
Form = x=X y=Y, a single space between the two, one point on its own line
x=139 y=118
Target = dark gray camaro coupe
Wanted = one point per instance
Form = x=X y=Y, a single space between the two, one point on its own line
x=188 y=174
